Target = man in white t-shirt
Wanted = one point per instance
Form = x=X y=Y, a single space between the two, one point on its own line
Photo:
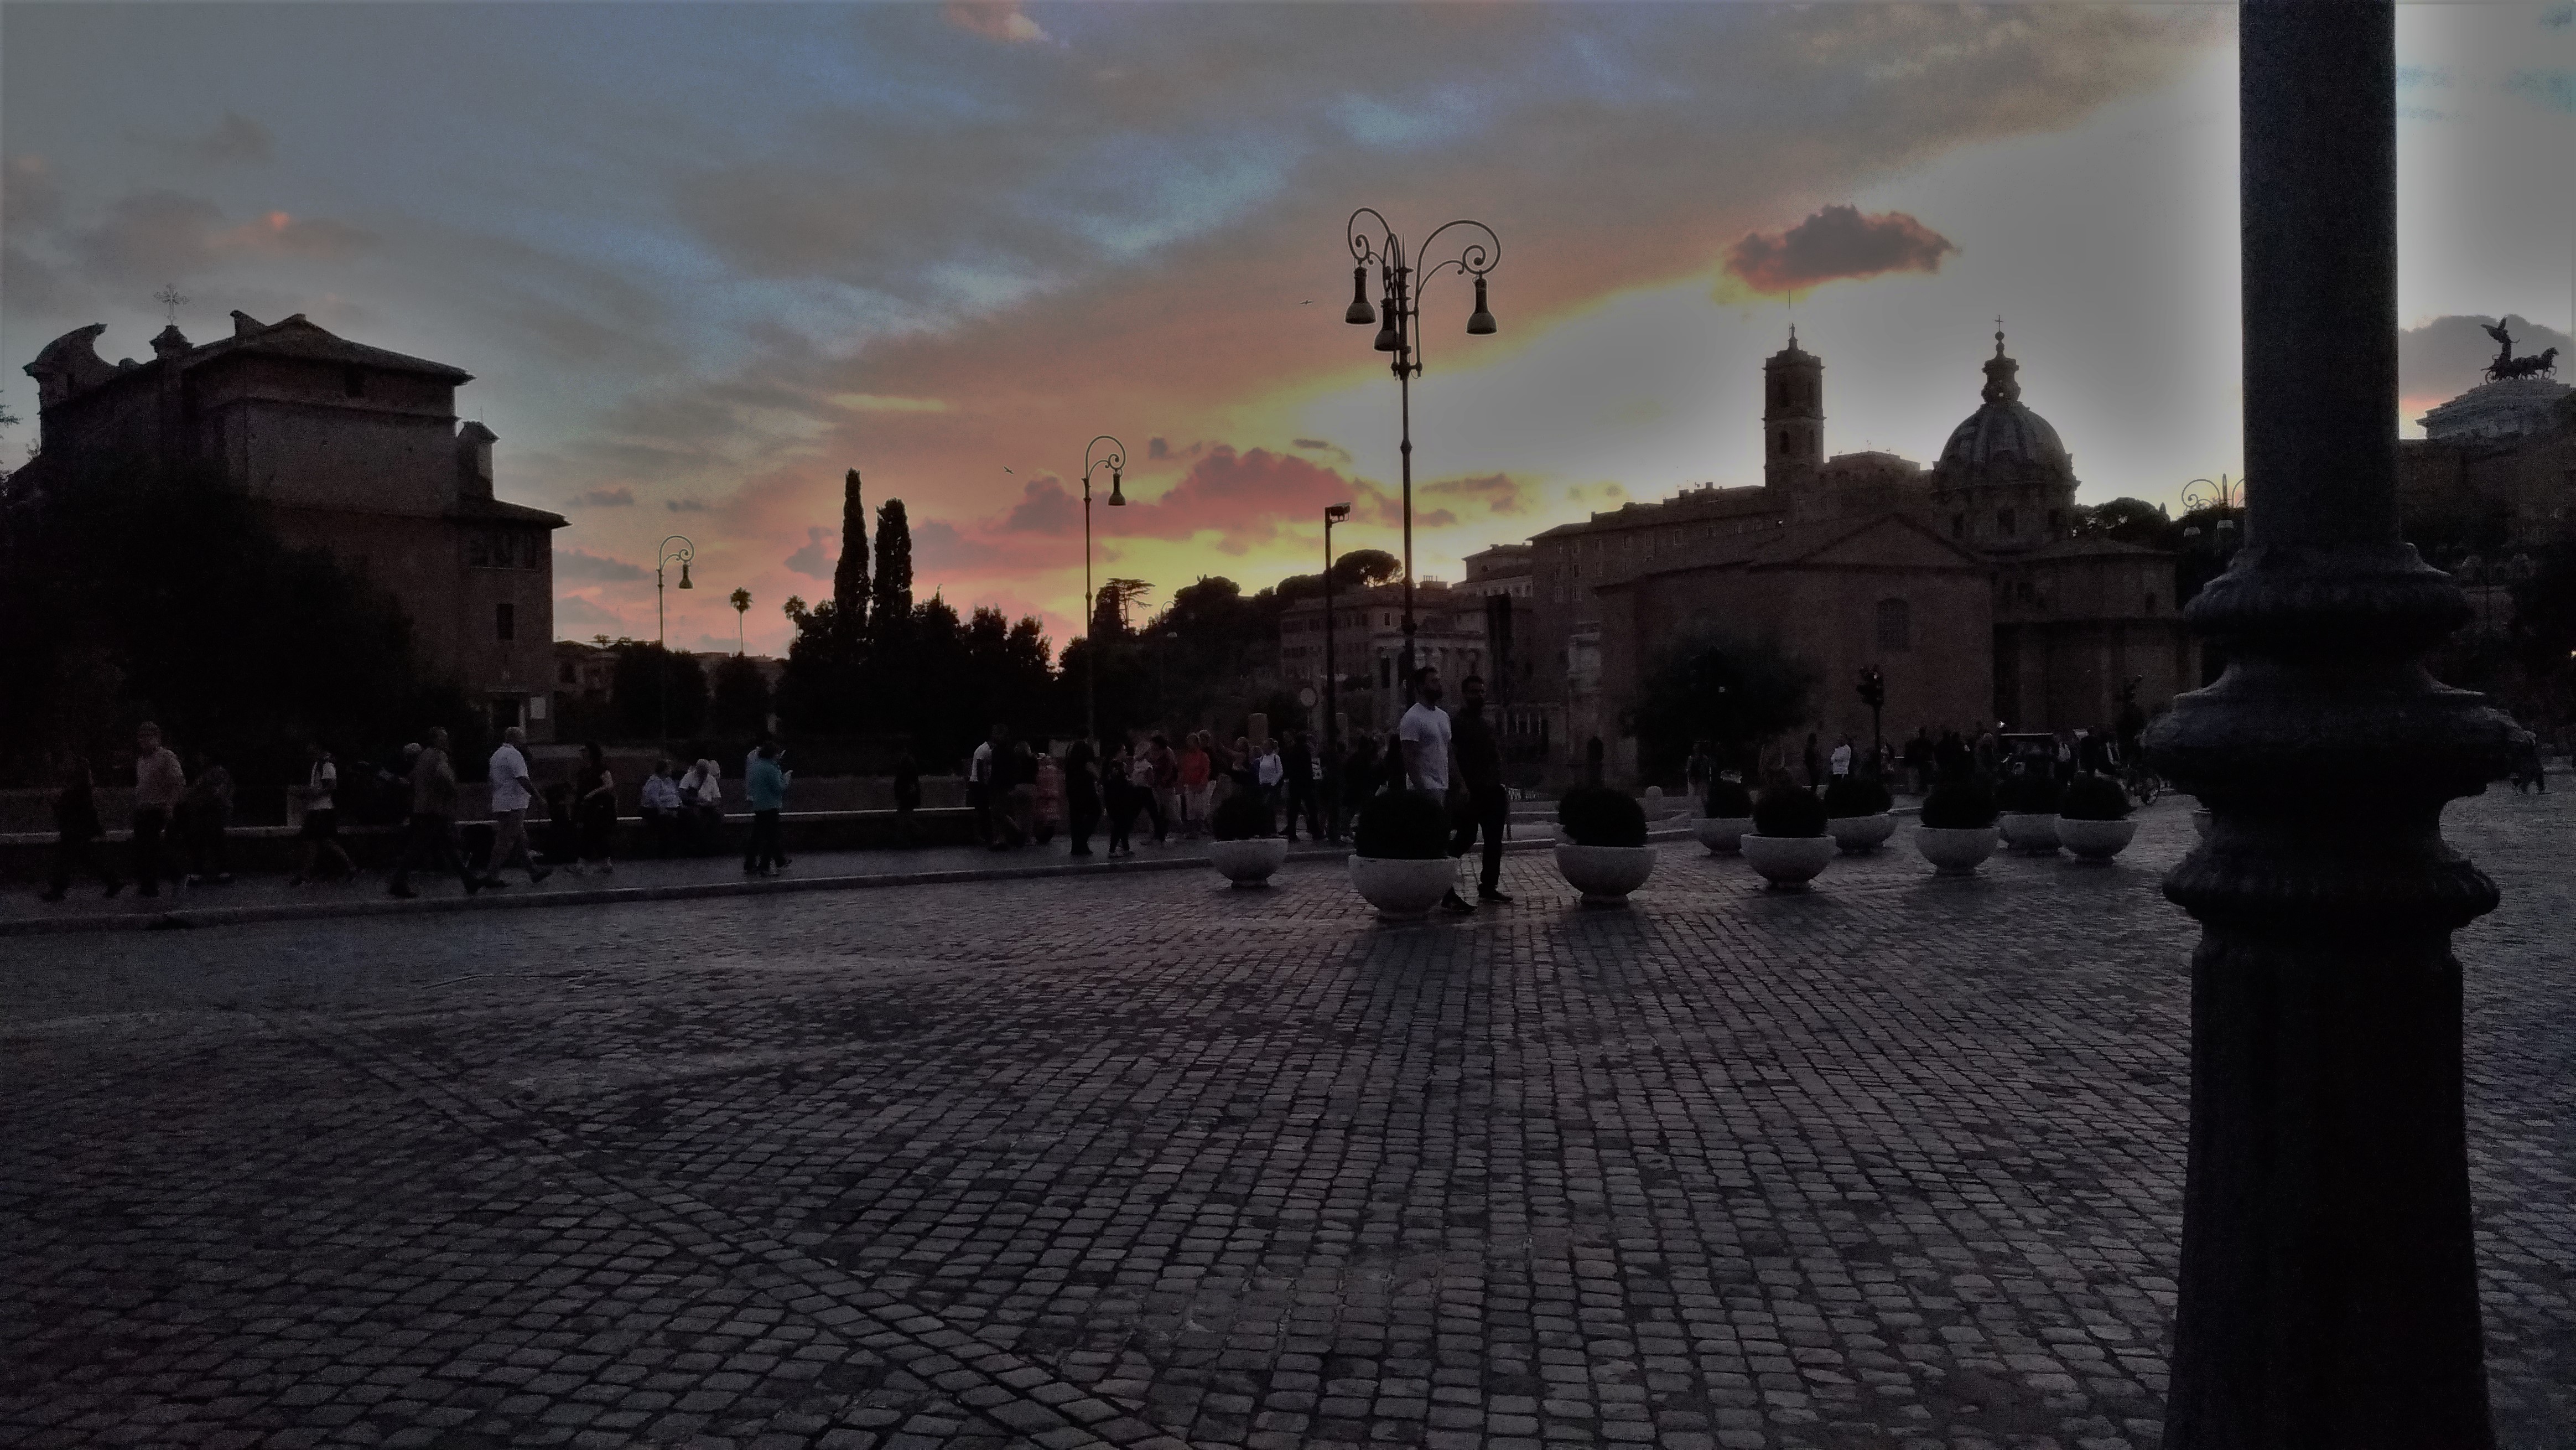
x=1842 y=759
x=1425 y=732
x=511 y=791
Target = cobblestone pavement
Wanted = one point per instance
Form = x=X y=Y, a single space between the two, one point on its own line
x=1144 y=1161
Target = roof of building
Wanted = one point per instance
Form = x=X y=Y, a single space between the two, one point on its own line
x=2003 y=427
x=2496 y=412
x=2090 y=548
x=1786 y=545
x=474 y=507
x=74 y=355
x=1704 y=502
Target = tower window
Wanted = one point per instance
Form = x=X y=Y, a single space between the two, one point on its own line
x=505 y=621
x=353 y=382
x=2003 y=521
x=1895 y=625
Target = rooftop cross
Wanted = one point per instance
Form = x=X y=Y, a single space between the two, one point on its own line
x=170 y=301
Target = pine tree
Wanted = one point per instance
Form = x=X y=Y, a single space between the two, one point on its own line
x=850 y=576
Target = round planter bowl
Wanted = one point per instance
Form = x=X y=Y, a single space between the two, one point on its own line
x=1248 y=863
x=1787 y=862
x=1402 y=889
x=2096 y=841
x=1857 y=835
x=1955 y=850
x=1605 y=874
x=1720 y=833
x=2029 y=833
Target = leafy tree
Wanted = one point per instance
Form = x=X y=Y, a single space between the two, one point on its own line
x=2128 y=520
x=1706 y=685
x=645 y=677
x=891 y=606
x=1366 y=566
x=740 y=705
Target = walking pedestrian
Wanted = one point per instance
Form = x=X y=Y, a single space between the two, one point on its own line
x=1424 y=737
x=980 y=794
x=1197 y=775
x=1361 y=775
x=206 y=815
x=1814 y=760
x=513 y=791
x=907 y=796
x=1082 y=795
x=320 y=834
x=158 y=782
x=1164 y=778
x=764 y=784
x=1699 y=770
x=1297 y=770
x=430 y=835
x=1478 y=753
x=659 y=805
x=594 y=806
x=76 y=833
x=1023 y=800
x=1269 y=777
x=1842 y=759
x=1118 y=794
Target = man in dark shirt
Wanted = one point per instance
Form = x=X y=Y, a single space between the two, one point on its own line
x=1478 y=757
x=1297 y=770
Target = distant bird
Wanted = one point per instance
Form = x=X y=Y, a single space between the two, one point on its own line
x=1006 y=468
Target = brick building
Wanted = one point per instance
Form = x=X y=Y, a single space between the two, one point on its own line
x=352 y=449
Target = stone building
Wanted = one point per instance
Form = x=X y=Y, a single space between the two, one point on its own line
x=1963 y=583
x=1368 y=638
x=2493 y=475
x=352 y=449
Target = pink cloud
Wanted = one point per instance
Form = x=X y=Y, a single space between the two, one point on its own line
x=994 y=20
x=1835 y=243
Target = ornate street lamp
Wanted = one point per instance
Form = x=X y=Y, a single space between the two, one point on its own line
x=1400 y=333
x=661 y=625
x=1332 y=674
x=1116 y=463
x=2221 y=494
x=2328 y=1292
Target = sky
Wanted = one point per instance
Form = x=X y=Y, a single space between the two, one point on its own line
x=701 y=259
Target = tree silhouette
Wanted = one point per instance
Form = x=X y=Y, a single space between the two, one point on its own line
x=850 y=575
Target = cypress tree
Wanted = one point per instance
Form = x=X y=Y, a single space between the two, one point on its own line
x=850 y=576
x=893 y=602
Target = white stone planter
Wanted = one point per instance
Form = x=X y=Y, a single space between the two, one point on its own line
x=1787 y=862
x=2095 y=840
x=1955 y=850
x=1857 y=835
x=1604 y=874
x=1400 y=889
x=1249 y=863
x=2028 y=833
x=1720 y=833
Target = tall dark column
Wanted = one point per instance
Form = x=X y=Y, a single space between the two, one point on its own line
x=2329 y=1290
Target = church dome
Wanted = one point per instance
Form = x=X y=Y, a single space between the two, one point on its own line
x=2003 y=428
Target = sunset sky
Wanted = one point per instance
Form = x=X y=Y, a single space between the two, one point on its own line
x=703 y=258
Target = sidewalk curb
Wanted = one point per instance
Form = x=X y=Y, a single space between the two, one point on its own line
x=186 y=918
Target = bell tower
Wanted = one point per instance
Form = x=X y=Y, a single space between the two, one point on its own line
x=1793 y=415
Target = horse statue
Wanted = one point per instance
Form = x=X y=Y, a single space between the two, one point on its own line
x=2540 y=365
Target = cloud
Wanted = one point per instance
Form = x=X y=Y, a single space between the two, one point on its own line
x=234 y=138
x=607 y=498
x=994 y=20
x=2447 y=356
x=1316 y=445
x=159 y=235
x=582 y=564
x=813 y=561
x=937 y=545
x=1835 y=243
x=31 y=194
x=1496 y=491
x=685 y=505
x=2555 y=89
x=580 y=618
x=1158 y=448
x=1045 y=507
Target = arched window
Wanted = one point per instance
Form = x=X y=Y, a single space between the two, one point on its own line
x=1895 y=625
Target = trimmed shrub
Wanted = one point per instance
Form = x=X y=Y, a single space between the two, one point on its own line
x=1855 y=795
x=1596 y=815
x=1727 y=799
x=1401 y=825
x=1788 y=810
x=1241 y=817
x=1959 y=805
x=2030 y=793
x=2094 y=798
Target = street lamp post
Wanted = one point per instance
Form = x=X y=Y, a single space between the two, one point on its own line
x=1332 y=672
x=1116 y=463
x=1400 y=333
x=661 y=624
x=2328 y=1288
